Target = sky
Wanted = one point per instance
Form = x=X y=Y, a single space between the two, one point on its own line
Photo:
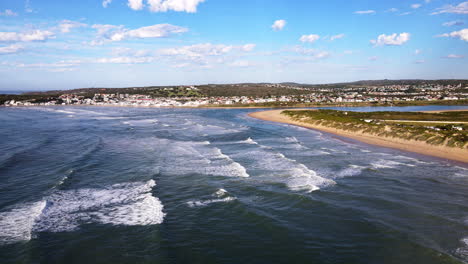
x=52 y=44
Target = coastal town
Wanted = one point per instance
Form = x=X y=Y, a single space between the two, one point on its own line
x=193 y=96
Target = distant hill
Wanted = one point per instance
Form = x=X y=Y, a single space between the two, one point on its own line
x=242 y=89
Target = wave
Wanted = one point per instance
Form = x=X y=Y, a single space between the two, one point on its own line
x=352 y=170
x=16 y=225
x=463 y=250
x=275 y=166
x=249 y=141
x=389 y=164
x=128 y=204
x=222 y=197
x=233 y=168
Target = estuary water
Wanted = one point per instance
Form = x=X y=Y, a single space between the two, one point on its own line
x=148 y=185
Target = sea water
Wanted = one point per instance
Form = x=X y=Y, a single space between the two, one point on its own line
x=148 y=185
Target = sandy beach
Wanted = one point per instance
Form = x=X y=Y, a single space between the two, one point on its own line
x=444 y=152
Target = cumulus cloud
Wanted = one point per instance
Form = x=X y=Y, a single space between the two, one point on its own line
x=309 y=38
x=189 y=6
x=365 y=12
x=453 y=23
x=416 y=6
x=15 y=48
x=36 y=35
x=66 y=25
x=278 y=25
x=454 y=56
x=339 y=36
x=462 y=34
x=8 y=13
x=135 y=4
x=105 y=3
x=461 y=8
x=119 y=33
x=391 y=40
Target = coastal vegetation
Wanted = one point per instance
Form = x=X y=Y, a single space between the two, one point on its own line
x=445 y=129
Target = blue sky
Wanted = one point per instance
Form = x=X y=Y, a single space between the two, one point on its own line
x=51 y=44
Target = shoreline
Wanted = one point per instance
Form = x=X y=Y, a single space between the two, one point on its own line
x=454 y=154
x=233 y=107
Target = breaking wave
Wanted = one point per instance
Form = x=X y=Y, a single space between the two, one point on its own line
x=128 y=204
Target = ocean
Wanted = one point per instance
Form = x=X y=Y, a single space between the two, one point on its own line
x=149 y=185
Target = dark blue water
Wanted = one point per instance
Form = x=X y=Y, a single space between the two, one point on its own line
x=147 y=185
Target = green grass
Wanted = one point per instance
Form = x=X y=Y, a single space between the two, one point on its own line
x=435 y=134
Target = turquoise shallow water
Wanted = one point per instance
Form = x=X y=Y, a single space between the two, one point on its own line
x=146 y=185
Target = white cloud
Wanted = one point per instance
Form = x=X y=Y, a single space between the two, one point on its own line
x=11 y=49
x=248 y=47
x=417 y=52
x=36 y=35
x=339 y=36
x=392 y=10
x=373 y=58
x=365 y=12
x=241 y=64
x=391 y=40
x=135 y=4
x=278 y=25
x=419 y=61
x=189 y=6
x=66 y=25
x=461 y=8
x=311 y=53
x=453 y=23
x=309 y=38
x=462 y=34
x=8 y=13
x=126 y=60
x=454 y=56
x=205 y=49
x=405 y=14
x=27 y=7
x=119 y=33
x=416 y=6
x=204 y=55
x=106 y=3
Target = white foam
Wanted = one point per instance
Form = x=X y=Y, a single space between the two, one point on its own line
x=17 y=224
x=463 y=250
x=279 y=168
x=64 y=112
x=352 y=170
x=390 y=164
x=249 y=141
x=222 y=197
x=121 y=204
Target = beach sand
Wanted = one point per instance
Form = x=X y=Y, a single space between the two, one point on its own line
x=444 y=152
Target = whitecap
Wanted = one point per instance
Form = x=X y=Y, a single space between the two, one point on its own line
x=351 y=170
x=16 y=225
x=222 y=197
x=128 y=204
